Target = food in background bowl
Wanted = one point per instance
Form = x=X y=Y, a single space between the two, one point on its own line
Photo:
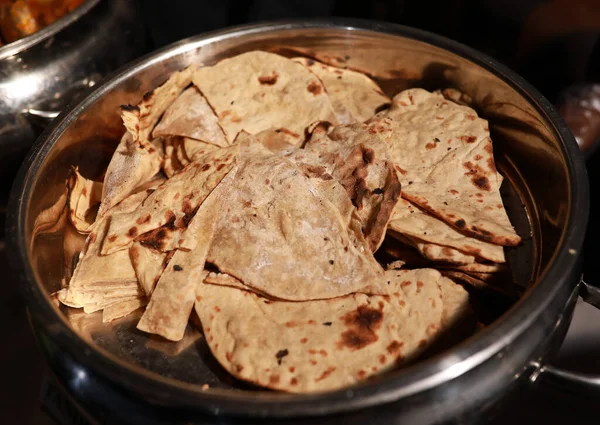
x=320 y=231
x=20 y=18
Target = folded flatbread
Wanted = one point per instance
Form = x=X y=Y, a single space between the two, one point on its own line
x=321 y=345
x=84 y=199
x=172 y=300
x=409 y=220
x=257 y=91
x=354 y=96
x=363 y=164
x=174 y=202
x=444 y=157
x=191 y=116
x=281 y=236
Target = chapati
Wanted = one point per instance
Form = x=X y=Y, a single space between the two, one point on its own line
x=256 y=91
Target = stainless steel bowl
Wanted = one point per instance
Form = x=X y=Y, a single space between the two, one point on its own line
x=41 y=73
x=125 y=371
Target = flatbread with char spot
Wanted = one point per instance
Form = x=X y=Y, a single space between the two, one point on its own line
x=257 y=91
x=363 y=164
x=320 y=345
x=172 y=300
x=354 y=96
x=409 y=220
x=444 y=157
x=173 y=202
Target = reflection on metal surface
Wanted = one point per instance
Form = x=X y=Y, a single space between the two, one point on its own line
x=24 y=86
x=590 y=293
x=44 y=76
x=42 y=114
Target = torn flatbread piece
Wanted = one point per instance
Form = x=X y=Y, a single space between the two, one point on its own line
x=53 y=218
x=136 y=160
x=256 y=91
x=191 y=116
x=148 y=265
x=175 y=201
x=282 y=237
x=95 y=270
x=320 y=345
x=156 y=102
x=129 y=167
x=122 y=309
x=505 y=290
x=172 y=301
x=456 y=302
x=84 y=198
x=103 y=274
x=444 y=156
x=433 y=252
x=363 y=164
x=411 y=221
x=354 y=96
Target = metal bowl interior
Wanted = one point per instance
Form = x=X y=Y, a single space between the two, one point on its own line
x=535 y=152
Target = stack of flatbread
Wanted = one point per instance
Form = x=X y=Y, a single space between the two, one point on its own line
x=256 y=192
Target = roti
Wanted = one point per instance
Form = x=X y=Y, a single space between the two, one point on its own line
x=156 y=102
x=279 y=233
x=409 y=220
x=172 y=301
x=84 y=198
x=191 y=116
x=354 y=96
x=320 y=345
x=257 y=91
x=129 y=167
x=323 y=233
x=175 y=201
x=362 y=163
x=99 y=280
x=444 y=156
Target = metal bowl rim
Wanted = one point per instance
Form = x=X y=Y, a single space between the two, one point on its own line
x=420 y=377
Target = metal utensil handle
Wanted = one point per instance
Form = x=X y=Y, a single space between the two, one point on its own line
x=573 y=381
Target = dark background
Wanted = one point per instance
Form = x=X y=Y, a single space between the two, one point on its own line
x=552 y=43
